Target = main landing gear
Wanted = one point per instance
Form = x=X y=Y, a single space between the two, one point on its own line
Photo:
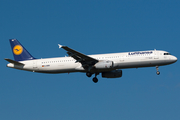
x=88 y=74
x=157 y=68
x=95 y=80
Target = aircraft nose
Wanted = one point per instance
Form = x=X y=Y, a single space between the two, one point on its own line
x=174 y=58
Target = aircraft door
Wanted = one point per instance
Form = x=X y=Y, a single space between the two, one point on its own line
x=121 y=59
x=156 y=55
x=35 y=65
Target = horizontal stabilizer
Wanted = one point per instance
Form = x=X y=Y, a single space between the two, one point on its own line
x=14 y=62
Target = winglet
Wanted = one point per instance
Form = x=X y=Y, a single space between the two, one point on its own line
x=60 y=46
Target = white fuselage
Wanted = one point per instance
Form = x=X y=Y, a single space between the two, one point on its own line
x=121 y=61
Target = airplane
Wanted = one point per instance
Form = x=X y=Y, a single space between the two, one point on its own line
x=109 y=65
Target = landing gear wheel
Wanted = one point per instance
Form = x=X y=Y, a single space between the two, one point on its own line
x=95 y=80
x=157 y=72
x=157 y=68
x=88 y=74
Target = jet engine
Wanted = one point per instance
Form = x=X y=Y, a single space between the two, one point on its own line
x=104 y=64
x=112 y=74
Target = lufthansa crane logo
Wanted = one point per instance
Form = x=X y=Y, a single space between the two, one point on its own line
x=17 y=50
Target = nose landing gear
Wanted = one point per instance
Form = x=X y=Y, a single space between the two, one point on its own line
x=157 y=68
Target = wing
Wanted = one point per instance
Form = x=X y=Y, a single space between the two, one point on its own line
x=85 y=60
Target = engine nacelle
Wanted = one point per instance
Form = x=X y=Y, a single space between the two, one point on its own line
x=104 y=64
x=112 y=74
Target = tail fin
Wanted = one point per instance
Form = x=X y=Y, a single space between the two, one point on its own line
x=19 y=52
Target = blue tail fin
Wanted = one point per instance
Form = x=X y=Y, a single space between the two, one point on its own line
x=19 y=52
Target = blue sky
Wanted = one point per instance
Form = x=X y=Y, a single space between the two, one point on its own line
x=90 y=27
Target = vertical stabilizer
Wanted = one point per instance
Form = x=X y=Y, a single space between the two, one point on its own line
x=19 y=52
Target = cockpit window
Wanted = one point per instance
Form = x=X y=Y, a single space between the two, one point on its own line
x=167 y=54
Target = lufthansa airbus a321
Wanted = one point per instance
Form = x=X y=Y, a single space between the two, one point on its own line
x=109 y=65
